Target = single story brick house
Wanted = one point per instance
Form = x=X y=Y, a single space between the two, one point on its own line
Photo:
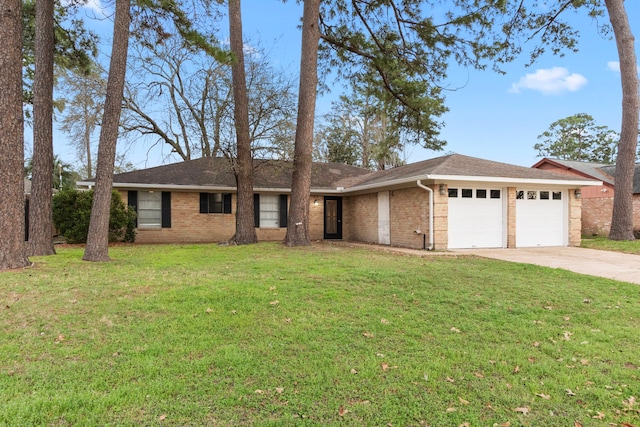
x=597 y=201
x=448 y=202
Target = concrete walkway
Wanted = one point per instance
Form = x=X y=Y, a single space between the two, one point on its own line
x=607 y=264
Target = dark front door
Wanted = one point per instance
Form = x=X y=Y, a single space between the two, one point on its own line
x=333 y=217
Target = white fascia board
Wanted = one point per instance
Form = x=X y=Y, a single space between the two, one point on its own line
x=174 y=187
x=505 y=180
x=479 y=179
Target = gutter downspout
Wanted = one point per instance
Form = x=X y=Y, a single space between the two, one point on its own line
x=424 y=187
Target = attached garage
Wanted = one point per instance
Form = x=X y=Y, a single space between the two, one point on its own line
x=476 y=217
x=541 y=218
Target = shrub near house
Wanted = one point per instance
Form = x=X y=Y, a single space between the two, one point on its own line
x=72 y=211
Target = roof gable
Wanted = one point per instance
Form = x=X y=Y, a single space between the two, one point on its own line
x=601 y=171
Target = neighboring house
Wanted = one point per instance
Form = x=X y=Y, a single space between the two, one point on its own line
x=448 y=202
x=597 y=201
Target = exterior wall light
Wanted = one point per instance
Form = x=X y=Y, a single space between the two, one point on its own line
x=442 y=190
x=315 y=202
x=578 y=193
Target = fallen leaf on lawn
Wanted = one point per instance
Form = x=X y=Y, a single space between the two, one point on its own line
x=569 y=392
x=586 y=301
x=516 y=369
x=464 y=402
x=276 y=302
x=368 y=334
x=544 y=396
x=272 y=288
x=567 y=335
x=385 y=366
x=567 y=318
x=384 y=321
x=584 y=342
x=451 y=409
x=353 y=371
x=162 y=417
x=209 y=310
x=259 y=391
x=600 y=416
x=577 y=424
x=379 y=354
x=426 y=377
x=478 y=375
x=537 y=322
x=629 y=403
x=456 y=330
x=342 y=411
x=532 y=360
x=536 y=344
x=627 y=425
x=465 y=425
x=548 y=307
x=507 y=424
x=279 y=390
x=509 y=386
x=60 y=338
x=287 y=320
x=451 y=380
x=584 y=361
x=525 y=410
x=234 y=312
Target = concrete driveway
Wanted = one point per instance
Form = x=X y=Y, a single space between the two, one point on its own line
x=610 y=265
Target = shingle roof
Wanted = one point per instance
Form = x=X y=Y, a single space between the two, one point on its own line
x=592 y=169
x=217 y=172
x=601 y=171
x=460 y=165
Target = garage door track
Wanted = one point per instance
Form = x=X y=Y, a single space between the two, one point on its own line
x=607 y=264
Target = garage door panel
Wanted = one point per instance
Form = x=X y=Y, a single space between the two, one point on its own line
x=541 y=221
x=475 y=222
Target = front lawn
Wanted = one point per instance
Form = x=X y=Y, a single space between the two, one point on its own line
x=602 y=243
x=263 y=335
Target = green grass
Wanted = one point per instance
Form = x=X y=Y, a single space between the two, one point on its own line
x=328 y=335
x=603 y=243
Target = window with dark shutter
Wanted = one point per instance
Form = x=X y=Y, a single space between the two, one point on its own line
x=166 y=209
x=283 y=210
x=132 y=201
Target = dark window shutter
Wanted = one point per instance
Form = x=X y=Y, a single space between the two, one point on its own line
x=132 y=201
x=166 y=209
x=283 y=210
x=256 y=209
x=226 y=203
x=204 y=203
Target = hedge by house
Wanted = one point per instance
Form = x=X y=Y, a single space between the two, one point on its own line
x=72 y=211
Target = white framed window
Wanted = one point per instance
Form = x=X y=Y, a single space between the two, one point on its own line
x=150 y=209
x=269 y=211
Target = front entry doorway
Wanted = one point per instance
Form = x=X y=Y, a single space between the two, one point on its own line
x=332 y=217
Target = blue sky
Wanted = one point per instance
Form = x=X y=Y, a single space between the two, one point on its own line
x=492 y=116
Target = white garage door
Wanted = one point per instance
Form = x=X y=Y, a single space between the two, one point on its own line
x=541 y=218
x=476 y=218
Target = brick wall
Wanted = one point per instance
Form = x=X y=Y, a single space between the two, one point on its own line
x=360 y=218
x=575 y=215
x=408 y=212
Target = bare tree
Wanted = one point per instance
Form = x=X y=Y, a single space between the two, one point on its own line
x=97 y=248
x=84 y=105
x=12 y=246
x=622 y=220
x=40 y=203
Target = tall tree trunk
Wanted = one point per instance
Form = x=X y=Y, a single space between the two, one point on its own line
x=12 y=246
x=40 y=204
x=97 y=248
x=622 y=220
x=245 y=221
x=298 y=220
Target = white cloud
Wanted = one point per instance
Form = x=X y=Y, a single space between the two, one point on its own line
x=551 y=81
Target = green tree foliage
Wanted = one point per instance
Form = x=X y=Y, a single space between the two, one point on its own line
x=74 y=45
x=64 y=176
x=72 y=210
x=578 y=137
